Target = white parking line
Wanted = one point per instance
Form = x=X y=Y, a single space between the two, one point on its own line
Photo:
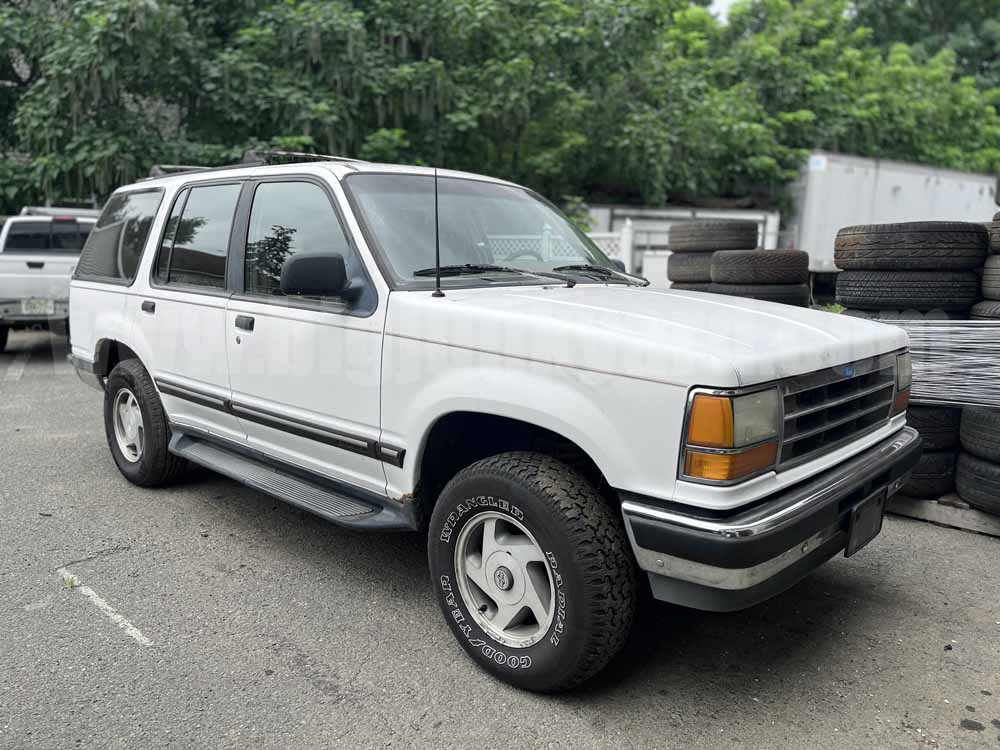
x=16 y=368
x=106 y=608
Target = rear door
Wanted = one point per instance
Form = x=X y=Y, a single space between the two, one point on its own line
x=179 y=327
x=36 y=262
x=305 y=370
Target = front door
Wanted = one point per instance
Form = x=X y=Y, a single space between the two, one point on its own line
x=305 y=370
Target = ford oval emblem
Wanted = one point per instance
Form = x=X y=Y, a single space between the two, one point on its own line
x=848 y=372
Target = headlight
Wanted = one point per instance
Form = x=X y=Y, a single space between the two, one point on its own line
x=904 y=377
x=729 y=438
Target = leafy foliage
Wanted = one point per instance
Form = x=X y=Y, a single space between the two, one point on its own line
x=625 y=100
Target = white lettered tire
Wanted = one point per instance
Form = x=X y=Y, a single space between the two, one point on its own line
x=533 y=571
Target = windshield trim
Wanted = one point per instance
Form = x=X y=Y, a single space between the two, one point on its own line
x=454 y=282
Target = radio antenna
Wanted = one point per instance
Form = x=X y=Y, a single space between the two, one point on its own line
x=437 y=242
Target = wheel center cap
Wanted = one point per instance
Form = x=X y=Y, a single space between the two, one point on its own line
x=503 y=578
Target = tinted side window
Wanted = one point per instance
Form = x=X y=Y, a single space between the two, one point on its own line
x=289 y=218
x=169 y=235
x=201 y=237
x=29 y=236
x=115 y=244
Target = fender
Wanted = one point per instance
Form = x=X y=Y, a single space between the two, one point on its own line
x=602 y=414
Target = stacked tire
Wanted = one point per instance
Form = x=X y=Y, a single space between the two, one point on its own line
x=923 y=269
x=692 y=244
x=771 y=275
x=989 y=308
x=934 y=474
x=978 y=472
x=911 y=271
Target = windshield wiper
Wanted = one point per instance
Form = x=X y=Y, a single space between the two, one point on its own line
x=605 y=273
x=474 y=268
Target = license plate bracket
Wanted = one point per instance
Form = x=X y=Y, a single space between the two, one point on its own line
x=866 y=521
x=37 y=306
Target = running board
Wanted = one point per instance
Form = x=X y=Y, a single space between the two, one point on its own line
x=314 y=497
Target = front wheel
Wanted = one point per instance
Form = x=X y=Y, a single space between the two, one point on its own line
x=533 y=571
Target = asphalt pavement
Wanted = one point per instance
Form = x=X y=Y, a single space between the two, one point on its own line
x=208 y=615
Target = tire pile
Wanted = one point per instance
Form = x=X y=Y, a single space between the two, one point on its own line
x=978 y=472
x=721 y=257
x=935 y=270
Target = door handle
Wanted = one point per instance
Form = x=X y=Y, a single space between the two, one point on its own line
x=148 y=306
x=244 y=322
x=35 y=264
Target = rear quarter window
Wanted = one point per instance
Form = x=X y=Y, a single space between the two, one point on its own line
x=114 y=247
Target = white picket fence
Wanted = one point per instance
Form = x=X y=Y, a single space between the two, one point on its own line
x=616 y=245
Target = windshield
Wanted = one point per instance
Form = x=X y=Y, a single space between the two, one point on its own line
x=481 y=223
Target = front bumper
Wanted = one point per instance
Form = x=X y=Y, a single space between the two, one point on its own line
x=732 y=562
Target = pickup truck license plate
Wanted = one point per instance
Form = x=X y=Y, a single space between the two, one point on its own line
x=38 y=307
x=866 y=521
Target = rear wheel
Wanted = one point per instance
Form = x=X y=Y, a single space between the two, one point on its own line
x=4 y=332
x=532 y=570
x=137 y=428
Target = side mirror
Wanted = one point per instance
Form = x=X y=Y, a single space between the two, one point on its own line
x=319 y=275
x=619 y=264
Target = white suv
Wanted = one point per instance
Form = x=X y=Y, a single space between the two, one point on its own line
x=38 y=252
x=565 y=433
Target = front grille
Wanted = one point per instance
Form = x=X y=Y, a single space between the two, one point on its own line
x=834 y=406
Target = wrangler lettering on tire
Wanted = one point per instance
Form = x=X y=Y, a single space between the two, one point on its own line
x=532 y=570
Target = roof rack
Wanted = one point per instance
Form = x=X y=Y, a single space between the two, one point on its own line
x=252 y=158
x=293 y=157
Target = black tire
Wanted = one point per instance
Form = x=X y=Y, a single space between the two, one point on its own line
x=912 y=246
x=978 y=483
x=980 y=432
x=707 y=236
x=937 y=425
x=4 y=333
x=890 y=315
x=986 y=310
x=918 y=290
x=156 y=465
x=580 y=535
x=690 y=267
x=991 y=278
x=760 y=267
x=994 y=231
x=690 y=287
x=933 y=476
x=789 y=294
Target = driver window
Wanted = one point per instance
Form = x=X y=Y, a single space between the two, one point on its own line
x=288 y=218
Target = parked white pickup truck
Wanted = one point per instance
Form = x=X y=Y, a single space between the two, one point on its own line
x=564 y=433
x=38 y=252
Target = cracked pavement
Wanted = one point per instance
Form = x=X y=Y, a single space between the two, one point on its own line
x=269 y=627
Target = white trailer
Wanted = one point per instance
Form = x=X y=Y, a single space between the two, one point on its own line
x=835 y=191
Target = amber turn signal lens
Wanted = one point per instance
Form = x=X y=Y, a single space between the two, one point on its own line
x=724 y=467
x=711 y=423
x=901 y=402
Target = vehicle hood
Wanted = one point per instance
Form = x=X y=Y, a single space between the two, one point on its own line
x=681 y=338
